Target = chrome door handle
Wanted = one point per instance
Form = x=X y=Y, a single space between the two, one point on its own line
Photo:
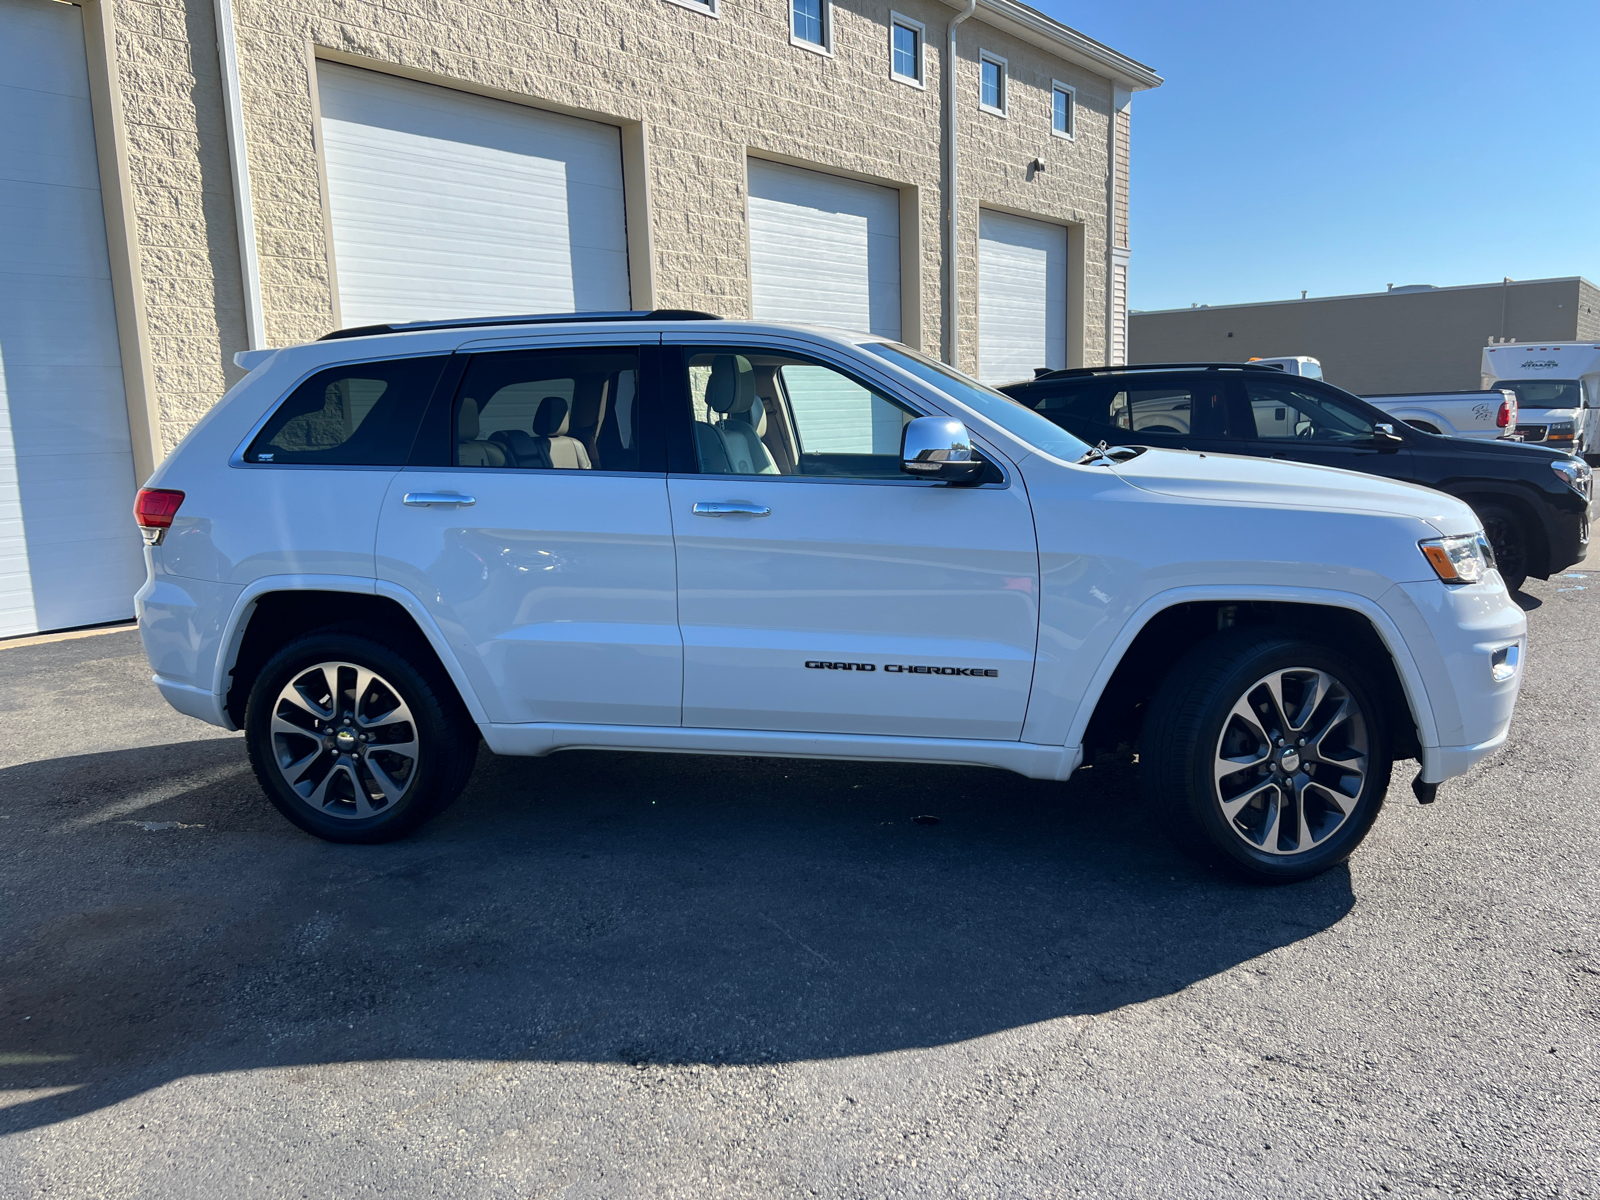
x=723 y=508
x=425 y=499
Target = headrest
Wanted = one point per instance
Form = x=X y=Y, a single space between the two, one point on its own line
x=732 y=386
x=467 y=421
x=756 y=415
x=551 y=419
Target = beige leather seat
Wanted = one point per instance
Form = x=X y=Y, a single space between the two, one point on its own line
x=733 y=445
x=470 y=451
x=550 y=434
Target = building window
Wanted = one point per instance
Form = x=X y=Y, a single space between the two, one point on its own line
x=992 y=83
x=709 y=7
x=905 y=49
x=808 y=23
x=1064 y=110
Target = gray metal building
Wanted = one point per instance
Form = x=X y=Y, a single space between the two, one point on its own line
x=1406 y=339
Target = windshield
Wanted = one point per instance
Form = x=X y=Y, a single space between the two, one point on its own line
x=1038 y=431
x=1542 y=393
x=1311 y=370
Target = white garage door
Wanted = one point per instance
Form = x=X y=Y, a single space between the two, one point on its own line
x=446 y=204
x=824 y=250
x=69 y=552
x=1022 y=297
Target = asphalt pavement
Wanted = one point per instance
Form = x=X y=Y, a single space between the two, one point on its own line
x=615 y=975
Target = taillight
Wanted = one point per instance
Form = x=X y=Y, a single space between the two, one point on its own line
x=1508 y=413
x=154 y=509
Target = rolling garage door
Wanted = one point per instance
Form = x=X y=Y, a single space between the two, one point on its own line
x=446 y=204
x=824 y=250
x=1022 y=297
x=69 y=552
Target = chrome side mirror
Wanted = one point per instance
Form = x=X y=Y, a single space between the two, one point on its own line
x=940 y=448
x=1387 y=439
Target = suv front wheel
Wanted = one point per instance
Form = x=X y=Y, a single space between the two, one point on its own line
x=1268 y=750
x=352 y=742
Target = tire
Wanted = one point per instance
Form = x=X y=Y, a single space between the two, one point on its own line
x=392 y=754
x=1509 y=538
x=1195 y=721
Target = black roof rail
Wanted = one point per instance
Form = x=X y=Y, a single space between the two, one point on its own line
x=658 y=314
x=1082 y=372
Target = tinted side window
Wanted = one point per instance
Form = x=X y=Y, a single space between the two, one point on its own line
x=1285 y=411
x=1087 y=401
x=361 y=415
x=551 y=410
x=760 y=412
x=1181 y=407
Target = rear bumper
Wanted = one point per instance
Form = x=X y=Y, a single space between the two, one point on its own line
x=200 y=703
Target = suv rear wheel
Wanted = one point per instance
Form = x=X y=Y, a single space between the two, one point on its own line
x=1269 y=751
x=352 y=742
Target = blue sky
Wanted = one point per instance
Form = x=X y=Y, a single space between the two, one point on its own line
x=1340 y=147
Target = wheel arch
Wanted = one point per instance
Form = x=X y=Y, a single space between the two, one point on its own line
x=1168 y=625
x=278 y=609
x=1532 y=519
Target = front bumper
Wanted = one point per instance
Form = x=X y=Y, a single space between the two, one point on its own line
x=1470 y=643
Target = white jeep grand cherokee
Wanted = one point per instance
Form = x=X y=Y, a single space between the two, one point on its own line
x=664 y=531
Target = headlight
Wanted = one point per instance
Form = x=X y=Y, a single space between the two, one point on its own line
x=1466 y=559
x=1575 y=473
x=1560 y=431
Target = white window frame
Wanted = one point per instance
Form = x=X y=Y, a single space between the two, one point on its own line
x=921 y=30
x=706 y=8
x=1071 y=134
x=825 y=10
x=1005 y=84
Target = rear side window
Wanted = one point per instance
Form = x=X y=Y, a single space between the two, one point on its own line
x=356 y=415
x=560 y=410
x=1184 y=407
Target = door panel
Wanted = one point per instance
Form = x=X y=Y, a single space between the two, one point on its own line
x=884 y=576
x=555 y=589
x=556 y=586
x=849 y=598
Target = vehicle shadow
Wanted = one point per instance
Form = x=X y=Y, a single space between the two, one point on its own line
x=589 y=907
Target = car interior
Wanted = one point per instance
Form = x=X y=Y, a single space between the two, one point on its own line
x=764 y=413
x=549 y=410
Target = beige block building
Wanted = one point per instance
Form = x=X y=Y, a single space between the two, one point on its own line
x=247 y=173
x=1405 y=339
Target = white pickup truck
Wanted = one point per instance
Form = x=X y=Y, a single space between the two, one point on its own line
x=1481 y=416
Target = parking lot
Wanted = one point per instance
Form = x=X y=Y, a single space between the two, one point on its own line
x=633 y=975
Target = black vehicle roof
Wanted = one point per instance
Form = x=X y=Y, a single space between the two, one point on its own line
x=1133 y=368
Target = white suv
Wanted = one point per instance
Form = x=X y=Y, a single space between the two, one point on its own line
x=665 y=531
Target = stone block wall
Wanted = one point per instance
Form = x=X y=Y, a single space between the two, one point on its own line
x=709 y=91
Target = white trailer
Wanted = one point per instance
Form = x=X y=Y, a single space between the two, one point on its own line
x=1557 y=386
x=1295 y=364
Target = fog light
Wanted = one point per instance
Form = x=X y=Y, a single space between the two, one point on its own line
x=1503 y=663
